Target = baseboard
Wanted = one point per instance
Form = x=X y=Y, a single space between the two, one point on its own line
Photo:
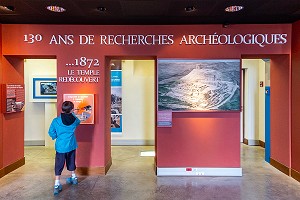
x=194 y=171
x=284 y=169
x=34 y=142
x=86 y=171
x=251 y=142
x=262 y=144
x=12 y=167
x=132 y=142
x=295 y=175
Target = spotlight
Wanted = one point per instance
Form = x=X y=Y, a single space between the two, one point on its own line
x=7 y=8
x=101 y=9
x=11 y=8
x=189 y=9
x=234 y=8
x=225 y=25
x=56 y=9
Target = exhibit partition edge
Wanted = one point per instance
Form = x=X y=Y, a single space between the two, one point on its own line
x=193 y=171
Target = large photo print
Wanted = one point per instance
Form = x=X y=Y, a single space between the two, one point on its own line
x=199 y=85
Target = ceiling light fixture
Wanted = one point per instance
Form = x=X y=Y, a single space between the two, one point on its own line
x=7 y=8
x=101 y=9
x=189 y=9
x=234 y=8
x=56 y=8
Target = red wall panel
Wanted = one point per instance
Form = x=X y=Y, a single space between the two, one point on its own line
x=200 y=139
x=280 y=109
x=13 y=123
x=196 y=139
x=296 y=97
x=1 y=114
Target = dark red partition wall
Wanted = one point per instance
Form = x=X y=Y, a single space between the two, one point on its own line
x=200 y=139
x=280 y=109
x=13 y=123
x=296 y=97
x=1 y=114
x=196 y=139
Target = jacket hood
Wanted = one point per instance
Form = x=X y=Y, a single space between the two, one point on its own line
x=67 y=119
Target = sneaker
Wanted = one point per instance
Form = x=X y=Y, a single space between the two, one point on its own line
x=71 y=180
x=57 y=189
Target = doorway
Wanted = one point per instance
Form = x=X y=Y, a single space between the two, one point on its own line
x=40 y=108
x=133 y=104
x=256 y=77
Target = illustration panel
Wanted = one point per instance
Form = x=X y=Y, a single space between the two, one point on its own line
x=83 y=106
x=199 y=85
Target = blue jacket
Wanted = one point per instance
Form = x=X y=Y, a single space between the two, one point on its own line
x=64 y=135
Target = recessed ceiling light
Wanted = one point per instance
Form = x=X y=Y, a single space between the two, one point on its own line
x=189 y=8
x=7 y=8
x=234 y=8
x=101 y=8
x=56 y=9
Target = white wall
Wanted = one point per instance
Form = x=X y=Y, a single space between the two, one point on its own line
x=137 y=103
x=38 y=115
x=254 y=108
x=261 y=100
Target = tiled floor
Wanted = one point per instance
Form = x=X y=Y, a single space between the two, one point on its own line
x=133 y=177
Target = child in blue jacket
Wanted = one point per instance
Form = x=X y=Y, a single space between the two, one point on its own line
x=62 y=129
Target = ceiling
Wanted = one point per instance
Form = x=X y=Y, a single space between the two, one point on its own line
x=156 y=12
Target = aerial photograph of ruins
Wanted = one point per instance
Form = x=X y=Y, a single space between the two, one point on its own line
x=199 y=85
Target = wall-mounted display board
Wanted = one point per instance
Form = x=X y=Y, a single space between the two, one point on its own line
x=116 y=96
x=83 y=106
x=199 y=85
x=43 y=89
x=13 y=98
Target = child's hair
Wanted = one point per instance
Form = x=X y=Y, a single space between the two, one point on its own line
x=67 y=106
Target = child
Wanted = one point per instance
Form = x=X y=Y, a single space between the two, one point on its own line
x=62 y=129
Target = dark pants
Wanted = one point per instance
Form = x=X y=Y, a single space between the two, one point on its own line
x=61 y=158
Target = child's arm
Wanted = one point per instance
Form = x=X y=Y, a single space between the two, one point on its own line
x=52 y=131
x=77 y=121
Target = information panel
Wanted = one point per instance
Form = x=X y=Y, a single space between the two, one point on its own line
x=116 y=96
x=164 y=118
x=83 y=106
x=13 y=97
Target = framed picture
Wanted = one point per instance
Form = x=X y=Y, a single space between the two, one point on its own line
x=44 y=89
x=199 y=85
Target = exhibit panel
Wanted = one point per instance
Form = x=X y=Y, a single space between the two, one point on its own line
x=13 y=98
x=199 y=85
x=196 y=139
x=116 y=96
x=83 y=106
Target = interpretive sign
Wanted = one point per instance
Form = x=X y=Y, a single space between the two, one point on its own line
x=116 y=96
x=14 y=97
x=164 y=118
x=83 y=106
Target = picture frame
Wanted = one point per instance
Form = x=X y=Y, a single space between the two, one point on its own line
x=44 y=89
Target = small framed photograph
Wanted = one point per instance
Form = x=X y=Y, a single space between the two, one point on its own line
x=48 y=88
x=44 y=89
